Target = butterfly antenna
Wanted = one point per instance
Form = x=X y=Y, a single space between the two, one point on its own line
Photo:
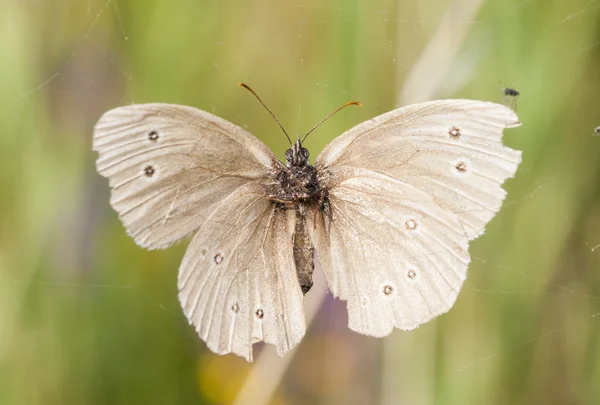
x=267 y=108
x=330 y=115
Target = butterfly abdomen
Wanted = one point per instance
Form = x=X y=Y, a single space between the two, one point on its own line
x=303 y=253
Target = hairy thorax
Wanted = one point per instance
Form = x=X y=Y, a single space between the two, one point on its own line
x=297 y=185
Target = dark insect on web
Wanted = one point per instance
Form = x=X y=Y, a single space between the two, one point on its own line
x=510 y=97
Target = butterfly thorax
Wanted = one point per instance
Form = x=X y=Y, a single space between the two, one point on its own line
x=298 y=183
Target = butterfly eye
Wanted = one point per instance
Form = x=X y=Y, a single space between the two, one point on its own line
x=305 y=153
x=289 y=154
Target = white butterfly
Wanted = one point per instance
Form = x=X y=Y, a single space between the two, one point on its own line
x=390 y=207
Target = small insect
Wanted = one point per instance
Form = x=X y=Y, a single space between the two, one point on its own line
x=597 y=130
x=510 y=97
x=389 y=207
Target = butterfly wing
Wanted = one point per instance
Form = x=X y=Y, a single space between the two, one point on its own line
x=238 y=282
x=450 y=149
x=407 y=191
x=175 y=170
x=169 y=166
x=389 y=250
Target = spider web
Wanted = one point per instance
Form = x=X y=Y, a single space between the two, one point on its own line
x=494 y=281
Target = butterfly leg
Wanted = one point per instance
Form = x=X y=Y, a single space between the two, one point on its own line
x=322 y=205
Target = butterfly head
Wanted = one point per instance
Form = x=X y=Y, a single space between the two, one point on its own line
x=297 y=155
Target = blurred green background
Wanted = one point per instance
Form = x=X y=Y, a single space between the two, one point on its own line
x=87 y=317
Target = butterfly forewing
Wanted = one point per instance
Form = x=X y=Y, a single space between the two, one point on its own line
x=238 y=283
x=450 y=149
x=407 y=191
x=169 y=166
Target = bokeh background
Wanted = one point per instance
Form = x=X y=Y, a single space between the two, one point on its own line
x=87 y=317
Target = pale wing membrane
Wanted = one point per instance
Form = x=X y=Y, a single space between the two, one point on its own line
x=389 y=250
x=449 y=149
x=238 y=283
x=169 y=166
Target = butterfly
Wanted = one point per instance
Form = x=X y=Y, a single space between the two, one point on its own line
x=389 y=207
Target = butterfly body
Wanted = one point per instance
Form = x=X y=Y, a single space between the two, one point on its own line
x=297 y=188
x=388 y=207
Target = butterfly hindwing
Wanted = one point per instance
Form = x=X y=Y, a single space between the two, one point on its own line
x=389 y=250
x=237 y=282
